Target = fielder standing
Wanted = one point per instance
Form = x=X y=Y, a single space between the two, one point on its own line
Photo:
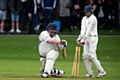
x=89 y=38
x=49 y=45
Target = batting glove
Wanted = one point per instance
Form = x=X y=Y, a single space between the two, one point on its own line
x=64 y=42
x=60 y=46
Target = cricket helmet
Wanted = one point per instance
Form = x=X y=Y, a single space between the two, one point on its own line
x=51 y=26
x=88 y=8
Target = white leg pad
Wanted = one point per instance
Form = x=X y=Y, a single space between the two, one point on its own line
x=97 y=64
x=54 y=72
x=50 y=60
x=49 y=65
x=95 y=61
x=43 y=60
x=87 y=64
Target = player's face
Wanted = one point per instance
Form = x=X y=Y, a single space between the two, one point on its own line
x=88 y=14
x=53 y=32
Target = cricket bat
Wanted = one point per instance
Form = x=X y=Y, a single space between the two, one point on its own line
x=64 y=53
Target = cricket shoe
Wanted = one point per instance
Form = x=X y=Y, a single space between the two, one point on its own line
x=88 y=76
x=41 y=70
x=60 y=73
x=45 y=75
x=57 y=73
x=101 y=74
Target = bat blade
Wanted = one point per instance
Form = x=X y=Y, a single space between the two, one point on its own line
x=64 y=53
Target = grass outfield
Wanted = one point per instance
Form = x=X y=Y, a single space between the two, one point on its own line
x=19 y=58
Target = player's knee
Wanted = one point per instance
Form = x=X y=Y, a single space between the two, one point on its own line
x=92 y=55
x=52 y=54
x=89 y=55
x=85 y=56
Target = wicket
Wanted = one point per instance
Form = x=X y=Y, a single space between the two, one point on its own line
x=76 y=63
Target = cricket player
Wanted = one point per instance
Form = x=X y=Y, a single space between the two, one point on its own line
x=89 y=38
x=49 y=45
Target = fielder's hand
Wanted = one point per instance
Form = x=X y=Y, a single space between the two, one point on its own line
x=78 y=41
x=82 y=42
x=80 y=37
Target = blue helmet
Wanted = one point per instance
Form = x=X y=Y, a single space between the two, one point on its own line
x=88 y=8
x=51 y=26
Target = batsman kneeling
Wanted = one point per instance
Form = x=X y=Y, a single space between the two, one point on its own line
x=49 y=45
x=89 y=39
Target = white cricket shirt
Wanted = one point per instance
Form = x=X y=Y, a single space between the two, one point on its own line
x=44 y=45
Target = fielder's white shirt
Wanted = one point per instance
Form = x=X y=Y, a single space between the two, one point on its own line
x=44 y=46
x=89 y=26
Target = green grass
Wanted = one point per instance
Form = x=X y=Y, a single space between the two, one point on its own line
x=19 y=57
